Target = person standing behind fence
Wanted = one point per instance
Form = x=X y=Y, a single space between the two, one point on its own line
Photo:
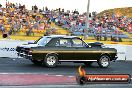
x=30 y=30
x=2 y=28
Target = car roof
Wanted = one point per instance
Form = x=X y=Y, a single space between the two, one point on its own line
x=61 y=36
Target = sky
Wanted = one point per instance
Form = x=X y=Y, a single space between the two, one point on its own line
x=80 y=5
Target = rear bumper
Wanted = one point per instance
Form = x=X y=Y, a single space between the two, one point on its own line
x=26 y=56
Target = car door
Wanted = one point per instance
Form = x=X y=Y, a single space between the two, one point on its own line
x=64 y=49
x=84 y=53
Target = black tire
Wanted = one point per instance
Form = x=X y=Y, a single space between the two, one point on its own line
x=51 y=60
x=104 y=61
x=37 y=62
x=88 y=63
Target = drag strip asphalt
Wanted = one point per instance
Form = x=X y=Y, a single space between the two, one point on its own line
x=19 y=66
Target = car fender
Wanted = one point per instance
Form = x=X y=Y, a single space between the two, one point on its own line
x=52 y=53
x=105 y=54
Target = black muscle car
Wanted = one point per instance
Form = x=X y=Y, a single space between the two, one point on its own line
x=51 y=50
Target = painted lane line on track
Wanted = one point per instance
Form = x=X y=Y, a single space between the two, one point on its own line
x=23 y=73
x=38 y=74
x=71 y=76
x=59 y=75
x=34 y=74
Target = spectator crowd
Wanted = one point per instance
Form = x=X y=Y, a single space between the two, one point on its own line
x=99 y=26
x=18 y=18
x=15 y=18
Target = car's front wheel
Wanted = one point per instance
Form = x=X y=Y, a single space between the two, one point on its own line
x=51 y=60
x=104 y=61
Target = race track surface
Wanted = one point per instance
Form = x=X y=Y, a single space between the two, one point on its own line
x=21 y=72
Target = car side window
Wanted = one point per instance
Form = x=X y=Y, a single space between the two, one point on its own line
x=78 y=43
x=63 y=42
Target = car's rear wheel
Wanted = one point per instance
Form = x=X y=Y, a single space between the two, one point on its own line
x=104 y=61
x=37 y=62
x=88 y=63
x=51 y=60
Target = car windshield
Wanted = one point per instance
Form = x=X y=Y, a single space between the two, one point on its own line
x=43 y=41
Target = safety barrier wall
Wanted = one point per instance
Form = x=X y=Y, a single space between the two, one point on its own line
x=8 y=49
x=121 y=50
x=124 y=51
x=129 y=52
